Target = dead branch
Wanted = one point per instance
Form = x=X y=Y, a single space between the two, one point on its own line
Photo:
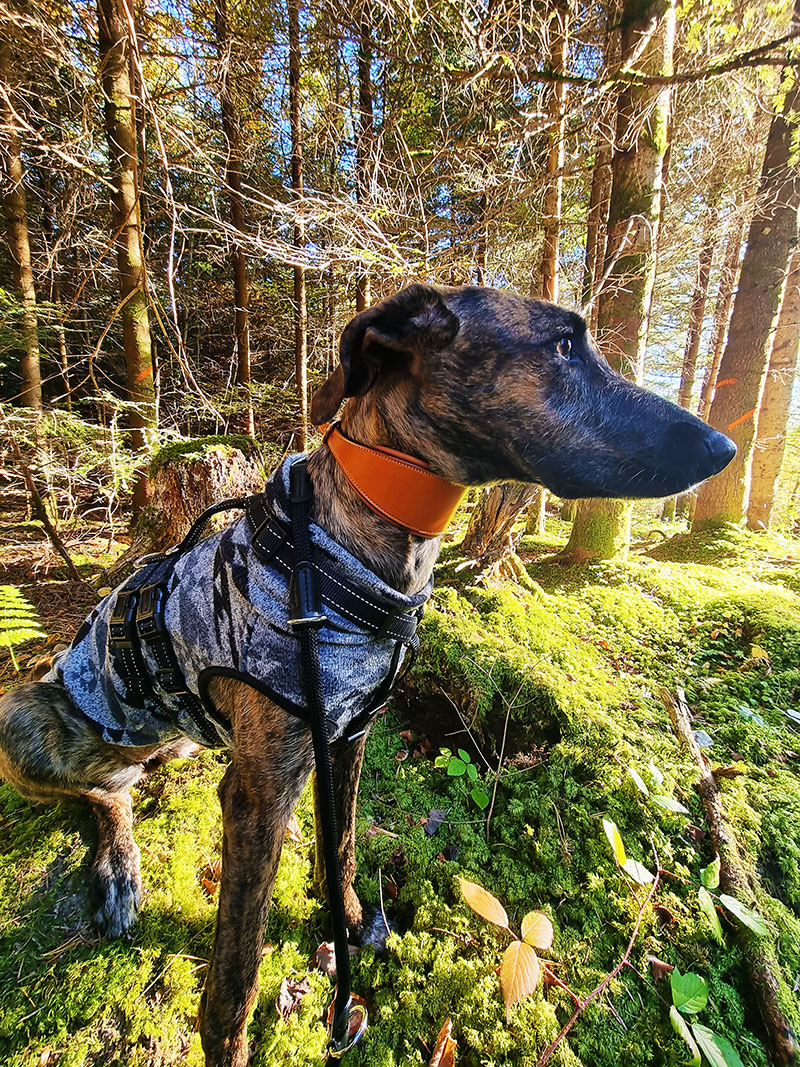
x=583 y=1004
x=734 y=880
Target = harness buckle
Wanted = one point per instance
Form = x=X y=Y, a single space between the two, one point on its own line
x=171 y=681
x=306 y=598
x=121 y=625
x=150 y=612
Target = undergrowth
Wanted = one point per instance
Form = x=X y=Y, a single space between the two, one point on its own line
x=571 y=674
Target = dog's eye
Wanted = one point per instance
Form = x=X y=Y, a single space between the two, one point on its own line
x=564 y=347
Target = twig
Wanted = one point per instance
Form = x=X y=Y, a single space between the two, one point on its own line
x=582 y=1005
x=734 y=881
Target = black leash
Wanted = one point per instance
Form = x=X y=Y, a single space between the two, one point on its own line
x=308 y=619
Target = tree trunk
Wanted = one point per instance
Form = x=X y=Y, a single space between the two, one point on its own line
x=722 y=313
x=489 y=534
x=551 y=222
x=300 y=307
x=773 y=413
x=365 y=138
x=242 y=421
x=16 y=212
x=120 y=129
x=697 y=308
x=537 y=512
x=772 y=237
x=600 y=191
x=602 y=528
x=596 y=222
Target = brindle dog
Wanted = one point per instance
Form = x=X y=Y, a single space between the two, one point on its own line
x=484 y=386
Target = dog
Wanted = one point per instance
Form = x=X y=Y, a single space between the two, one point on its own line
x=483 y=386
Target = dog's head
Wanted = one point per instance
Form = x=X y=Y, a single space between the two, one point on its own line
x=487 y=386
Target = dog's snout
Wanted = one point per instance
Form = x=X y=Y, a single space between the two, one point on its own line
x=694 y=447
x=720 y=448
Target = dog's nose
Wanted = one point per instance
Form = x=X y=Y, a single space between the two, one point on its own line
x=720 y=448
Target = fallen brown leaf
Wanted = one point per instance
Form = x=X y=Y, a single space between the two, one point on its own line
x=291 y=996
x=445 y=1046
x=658 y=968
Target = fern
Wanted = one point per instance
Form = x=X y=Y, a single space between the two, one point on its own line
x=19 y=620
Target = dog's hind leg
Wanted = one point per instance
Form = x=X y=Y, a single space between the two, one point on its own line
x=49 y=752
x=271 y=761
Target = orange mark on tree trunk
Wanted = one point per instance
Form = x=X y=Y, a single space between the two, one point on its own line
x=146 y=373
x=741 y=419
x=726 y=381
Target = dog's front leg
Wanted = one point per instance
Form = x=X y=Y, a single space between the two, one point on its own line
x=271 y=762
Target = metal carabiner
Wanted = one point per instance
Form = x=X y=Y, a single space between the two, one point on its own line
x=357 y=1022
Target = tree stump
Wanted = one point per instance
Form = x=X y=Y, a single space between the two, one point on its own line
x=187 y=477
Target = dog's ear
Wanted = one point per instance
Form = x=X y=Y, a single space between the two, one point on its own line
x=382 y=340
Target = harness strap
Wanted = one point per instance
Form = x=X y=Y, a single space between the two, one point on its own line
x=309 y=618
x=273 y=543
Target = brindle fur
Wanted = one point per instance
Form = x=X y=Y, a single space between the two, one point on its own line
x=474 y=381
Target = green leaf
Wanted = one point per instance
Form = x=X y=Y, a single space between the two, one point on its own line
x=472 y=772
x=709 y=875
x=455 y=768
x=744 y=914
x=464 y=755
x=614 y=839
x=656 y=774
x=682 y=1030
x=707 y=905
x=638 y=781
x=689 y=992
x=670 y=804
x=637 y=872
x=480 y=796
x=717 y=1050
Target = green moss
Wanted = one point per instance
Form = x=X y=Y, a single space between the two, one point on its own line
x=576 y=668
x=197 y=447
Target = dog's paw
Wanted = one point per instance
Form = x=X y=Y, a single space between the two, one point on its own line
x=116 y=893
x=373 y=930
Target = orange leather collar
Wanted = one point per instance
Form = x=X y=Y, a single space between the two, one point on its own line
x=399 y=487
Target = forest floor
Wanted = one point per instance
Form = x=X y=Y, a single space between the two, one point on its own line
x=569 y=672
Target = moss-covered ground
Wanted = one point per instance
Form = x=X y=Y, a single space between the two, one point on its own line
x=571 y=675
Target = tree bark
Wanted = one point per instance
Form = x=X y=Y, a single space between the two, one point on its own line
x=602 y=528
x=120 y=129
x=771 y=240
x=556 y=112
x=16 y=212
x=365 y=137
x=773 y=414
x=489 y=534
x=242 y=421
x=300 y=305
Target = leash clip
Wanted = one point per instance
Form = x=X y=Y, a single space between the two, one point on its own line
x=347 y=1028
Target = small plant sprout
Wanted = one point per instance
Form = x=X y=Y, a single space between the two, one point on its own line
x=689 y=997
x=520 y=970
x=461 y=766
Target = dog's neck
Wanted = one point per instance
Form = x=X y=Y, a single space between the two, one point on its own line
x=401 y=558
